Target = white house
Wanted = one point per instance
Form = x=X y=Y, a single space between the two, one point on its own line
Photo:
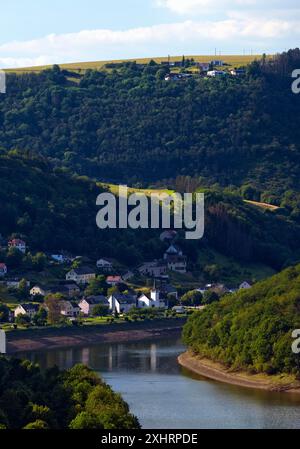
x=18 y=244
x=216 y=73
x=245 y=286
x=150 y=301
x=81 y=275
x=39 y=290
x=121 y=303
x=3 y=269
x=104 y=265
x=26 y=309
x=70 y=309
x=87 y=305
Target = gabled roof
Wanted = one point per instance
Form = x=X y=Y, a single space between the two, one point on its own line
x=17 y=242
x=83 y=270
x=95 y=300
x=114 y=279
x=30 y=307
x=124 y=299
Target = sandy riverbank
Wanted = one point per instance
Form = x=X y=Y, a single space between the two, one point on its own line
x=218 y=372
x=48 y=339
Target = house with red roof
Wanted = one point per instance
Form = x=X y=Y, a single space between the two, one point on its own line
x=113 y=280
x=18 y=244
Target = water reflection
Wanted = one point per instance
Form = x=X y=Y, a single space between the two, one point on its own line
x=151 y=381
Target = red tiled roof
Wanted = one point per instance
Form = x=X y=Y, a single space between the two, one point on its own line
x=17 y=242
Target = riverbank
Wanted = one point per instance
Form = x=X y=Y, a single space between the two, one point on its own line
x=47 y=339
x=216 y=371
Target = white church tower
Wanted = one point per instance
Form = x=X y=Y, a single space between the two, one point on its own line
x=155 y=297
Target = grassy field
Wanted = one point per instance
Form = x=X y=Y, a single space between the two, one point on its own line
x=262 y=205
x=114 y=188
x=81 y=67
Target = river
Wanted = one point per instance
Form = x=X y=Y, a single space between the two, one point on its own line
x=165 y=396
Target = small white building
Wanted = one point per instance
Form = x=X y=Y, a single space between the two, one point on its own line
x=26 y=309
x=18 y=244
x=121 y=303
x=3 y=269
x=216 y=73
x=38 y=290
x=150 y=301
x=104 y=265
x=245 y=285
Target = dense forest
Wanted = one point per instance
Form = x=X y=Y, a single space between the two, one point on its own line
x=251 y=329
x=73 y=399
x=231 y=131
x=53 y=210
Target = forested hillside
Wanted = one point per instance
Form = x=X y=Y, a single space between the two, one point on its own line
x=130 y=125
x=73 y=399
x=251 y=329
x=53 y=210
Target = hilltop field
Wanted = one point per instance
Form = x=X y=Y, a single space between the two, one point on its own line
x=81 y=67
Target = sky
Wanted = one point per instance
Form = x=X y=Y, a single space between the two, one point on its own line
x=60 y=31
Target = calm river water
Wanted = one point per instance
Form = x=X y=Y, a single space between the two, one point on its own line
x=163 y=395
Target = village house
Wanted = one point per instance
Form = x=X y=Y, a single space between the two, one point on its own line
x=81 y=275
x=87 y=305
x=238 y=72
x=39 y=290
x=3 y=269
x=153 y=269
x=245 y=285
x=175 y=259
x=72 y=288
x=26 y=309
x=168 y=291
x=204 y=66
x=168 y=236
x=113 y=281
x=216 y=73
x=104 y=265
x=150 y=301
x=70 y=309
x=18 y=244
x=121 y=303
x=217 y=63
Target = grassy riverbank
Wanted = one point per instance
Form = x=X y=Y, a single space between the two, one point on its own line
x=54 y=338
x=212 y=370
